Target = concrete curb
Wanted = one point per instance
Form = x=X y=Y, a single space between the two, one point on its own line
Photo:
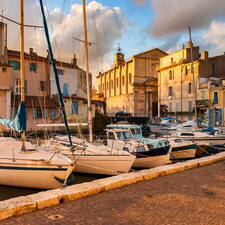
x=26 y=204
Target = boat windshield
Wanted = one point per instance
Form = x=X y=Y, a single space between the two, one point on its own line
x=138 y=131
x=132 y=131
x=123 y=135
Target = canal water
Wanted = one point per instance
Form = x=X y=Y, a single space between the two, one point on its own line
x=11 y=192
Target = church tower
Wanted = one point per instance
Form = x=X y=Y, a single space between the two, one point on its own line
x=119 y=57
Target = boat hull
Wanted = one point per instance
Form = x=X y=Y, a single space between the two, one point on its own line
x=30 y=176
x=151 y=161
x=103 y=164
x=183 y=152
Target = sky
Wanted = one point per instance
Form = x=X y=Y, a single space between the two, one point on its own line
x=134 y=25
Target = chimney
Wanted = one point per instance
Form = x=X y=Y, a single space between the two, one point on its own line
x=74 y=62
x=204 y=55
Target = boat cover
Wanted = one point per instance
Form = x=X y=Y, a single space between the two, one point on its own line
x=19 y=121
x=209 y=130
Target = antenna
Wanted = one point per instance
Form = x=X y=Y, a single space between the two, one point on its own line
x=119 y=50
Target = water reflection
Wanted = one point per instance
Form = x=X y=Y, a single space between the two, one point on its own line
x=11 y=192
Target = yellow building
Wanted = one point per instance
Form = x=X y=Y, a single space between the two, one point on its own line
x=178 y=88
x=217 y=102
x=131 y=86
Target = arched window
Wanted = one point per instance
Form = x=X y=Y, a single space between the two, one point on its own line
x=65 y=89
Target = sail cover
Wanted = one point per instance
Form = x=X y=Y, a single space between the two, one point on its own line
x=19 y=121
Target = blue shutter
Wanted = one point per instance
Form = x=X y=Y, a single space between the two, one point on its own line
x=210 y=117
x=215 y=98
x=220 y=117
x=65 y=89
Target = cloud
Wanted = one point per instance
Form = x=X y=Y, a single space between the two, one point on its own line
x=105 y=26
x=174 y=16
x=213 y=38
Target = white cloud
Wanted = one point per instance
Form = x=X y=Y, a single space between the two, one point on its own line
x=213 y=38
x=173 y=16
x=105 y=26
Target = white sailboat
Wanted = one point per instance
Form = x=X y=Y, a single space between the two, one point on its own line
x=95 y=158
x=91 y=157
x=22 y=164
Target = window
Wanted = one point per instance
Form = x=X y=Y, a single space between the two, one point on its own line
x=203 y=95
x=43 y=85
x=130 y=78
x=4 y=69
x=189 y=88
x=123 y=80
x=170 y=107
x=172 y=62
x=170 y=91
x=74 y=108
x=18 y=87
x=107 y=85
x=37 y=114
x=190 y=107
x=187 y=70
x=65 y=89
x=215 y=98
x=15 y=65
x=111 y=84
x=33 y=67
x=53 y=114
x=117 y=82
x=111 y=136
x=171 y=75
x=60 y=71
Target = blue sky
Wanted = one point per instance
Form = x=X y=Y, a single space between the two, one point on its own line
x=138 y=25
x=140 y=35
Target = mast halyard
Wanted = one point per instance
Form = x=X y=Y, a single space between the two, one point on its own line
x=22 y=66
x=87 y=73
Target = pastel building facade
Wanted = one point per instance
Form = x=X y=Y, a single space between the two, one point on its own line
x=42 y=105
x=131 y=86
x=179 y=89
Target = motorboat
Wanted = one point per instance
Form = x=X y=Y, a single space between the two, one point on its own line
x=122 y=139
x=182 y=149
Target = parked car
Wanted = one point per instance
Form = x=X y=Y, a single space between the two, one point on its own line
x=122 y=114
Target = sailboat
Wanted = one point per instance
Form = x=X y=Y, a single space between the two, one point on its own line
x=90 y=157
x=22 y=164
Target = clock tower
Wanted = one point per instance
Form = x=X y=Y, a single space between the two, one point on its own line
x=119 y=57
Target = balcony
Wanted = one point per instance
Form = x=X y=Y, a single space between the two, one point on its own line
x=203 y=103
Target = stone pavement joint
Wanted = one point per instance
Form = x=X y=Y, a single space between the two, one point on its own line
x=26 y=204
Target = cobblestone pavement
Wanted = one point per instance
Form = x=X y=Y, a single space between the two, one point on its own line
x=195 y=197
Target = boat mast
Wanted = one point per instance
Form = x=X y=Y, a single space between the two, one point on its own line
x=87 y=73
x=22 y=66
x=62 y=106
x=194 y=80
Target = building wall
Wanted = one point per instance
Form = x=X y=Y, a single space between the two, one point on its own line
x=69 y=78
x=33 y=78
x=127 y=86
